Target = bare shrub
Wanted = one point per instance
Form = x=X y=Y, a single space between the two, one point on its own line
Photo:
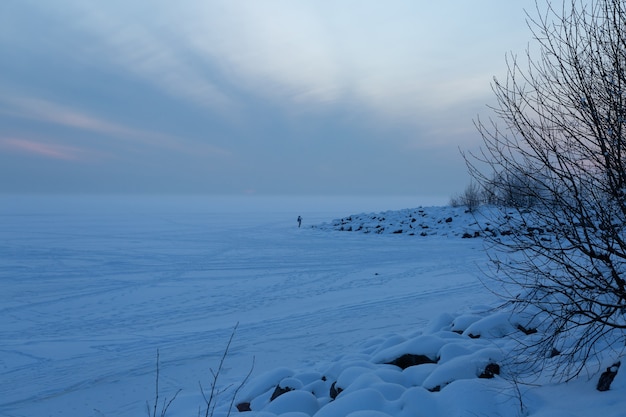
x=215 y=392
x=556 y=152
x=211 y=397
x=471 y=197
x=166 y=404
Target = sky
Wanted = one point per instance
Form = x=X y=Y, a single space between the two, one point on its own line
x=350 y=97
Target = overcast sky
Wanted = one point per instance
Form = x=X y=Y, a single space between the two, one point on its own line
x=352 y=97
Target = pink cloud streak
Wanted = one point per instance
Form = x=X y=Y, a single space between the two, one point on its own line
x=50 y=112
x=67 y=153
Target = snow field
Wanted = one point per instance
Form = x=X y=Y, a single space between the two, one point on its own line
x=92 y=288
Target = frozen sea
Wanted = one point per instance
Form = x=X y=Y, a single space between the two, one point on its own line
x=93 y=286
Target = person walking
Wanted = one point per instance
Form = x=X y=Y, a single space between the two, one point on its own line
x=299 y=221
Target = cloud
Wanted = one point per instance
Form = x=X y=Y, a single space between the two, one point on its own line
x=275 y=48
x=57 y=114
x=381 y=57
x=400 y=61
x=222 y=91
x=138 y=39
x=42 y=110
x=46 y=150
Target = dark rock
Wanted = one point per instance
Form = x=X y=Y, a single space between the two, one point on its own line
x=279 y=391
x=449 y=219
x=243 y=407
x=525 y=330
x=409 y=359
x=554 y=352
x=397 y=232
x=604 y=384
x=466 y=236
x=334 y=390
x=435 y=389
x=490 y=371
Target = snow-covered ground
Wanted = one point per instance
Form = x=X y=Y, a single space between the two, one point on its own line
x=92 y=287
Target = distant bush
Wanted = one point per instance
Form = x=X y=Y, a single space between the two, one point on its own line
x=518 y=187
x=471 y=197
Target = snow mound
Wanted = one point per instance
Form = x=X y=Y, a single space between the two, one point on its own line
x=459 y=365
x=421 y=221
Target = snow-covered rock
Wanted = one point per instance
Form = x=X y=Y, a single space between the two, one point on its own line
x=422 y=221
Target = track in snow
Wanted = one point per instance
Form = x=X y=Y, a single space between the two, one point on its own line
x=88 y=298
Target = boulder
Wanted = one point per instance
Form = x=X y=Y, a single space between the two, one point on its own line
x=409 y=359
x=242 y=407
x=607 y=377
x=278 y=391
x=490 y=371
x=334 y=390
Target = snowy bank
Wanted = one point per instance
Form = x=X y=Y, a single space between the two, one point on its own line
x=421 y=221
x=456 y=366
x=468 y=364
x=341 y=324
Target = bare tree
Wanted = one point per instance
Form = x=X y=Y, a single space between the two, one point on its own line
x=471 y=197
x=513 y=189
x=559 y=133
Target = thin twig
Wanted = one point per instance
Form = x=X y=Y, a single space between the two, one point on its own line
x=211 y=401
x=245 y=380
x=166 y=404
